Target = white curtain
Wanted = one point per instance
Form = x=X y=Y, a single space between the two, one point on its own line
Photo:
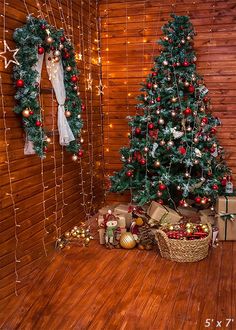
x=56 y=75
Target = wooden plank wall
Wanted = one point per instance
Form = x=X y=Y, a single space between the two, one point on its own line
x=130 y=29
x=27 y=171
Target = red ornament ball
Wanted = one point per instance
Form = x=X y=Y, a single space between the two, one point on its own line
x=31 y=112
x=74 y=79
x=224 y=181
x=198 y=200
x=80 y=153
x=182 y=150
x=137 y=130
x=205 y=120
x=150 y=126
x=181 y=202
x=213 y=130
x=187 y=111
x=154 y=74
x=212 y=150
x=149 y=85
x=158 y=99
x=162 y=187
x=142 y=161
x=186 y=63
x=38 y=123
x=45 y=149
x=66 y=55
x=129 y=174
x=83 y=107
x=160 y=201
x=20 y=83
x=191 y=89
x=40 y=50
x=63 y=39
x=215 y=187
x=43 y=27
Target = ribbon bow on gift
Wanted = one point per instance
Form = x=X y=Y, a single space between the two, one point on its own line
x=227 y=216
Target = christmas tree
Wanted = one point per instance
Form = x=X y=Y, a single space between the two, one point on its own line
x=174 y=154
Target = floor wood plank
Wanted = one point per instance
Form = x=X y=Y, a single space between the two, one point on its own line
x=95 y=288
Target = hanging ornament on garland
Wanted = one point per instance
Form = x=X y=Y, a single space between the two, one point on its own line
x=50 y=41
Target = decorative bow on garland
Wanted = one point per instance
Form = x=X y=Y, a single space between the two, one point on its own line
x=227 y=216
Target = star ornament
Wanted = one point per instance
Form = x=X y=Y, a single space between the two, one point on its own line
x=7 y=50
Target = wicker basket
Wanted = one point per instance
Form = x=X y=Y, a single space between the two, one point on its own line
x=183 y=250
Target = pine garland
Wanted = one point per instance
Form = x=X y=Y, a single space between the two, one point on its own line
x=30 y=39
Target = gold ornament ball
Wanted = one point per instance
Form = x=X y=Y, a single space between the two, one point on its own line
x=26 y=113
x=79 y=116
x=161 y=121
x=187 y=175
x=68 y=69
x=61 y=46
x=158 y=112
x=178 y=64
x=185 y=204
x=166 y=38
x=78 y=93
x=170 y=143
x=178 y=188
x=162 y=143
x=203 y=201
x=57 y=53
x=214 y=145
x=67 y=113
x=189 y=128
x=155 y=86
x=174 y=99
x=196 y=161
x=157 y=163
x=182 y=41
x=48 y=139
x=171 y=227
x=67 y=234
x=56 y=59
x=173 y=113
x=145 y=149
x=188 y=38
x=206 y=230
x=74 y=234
x=188 y=225
x=74 y=157
x=165 y=62
x=83 y=235
x=186 y=84
x=195 y=140
x=127 y=240
x=202 y=109
x=168 y=78
x=189 y=231
x=61 y=245
x=87 y=240
x=49 y=40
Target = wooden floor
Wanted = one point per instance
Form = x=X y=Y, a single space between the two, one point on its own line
x=96 y=288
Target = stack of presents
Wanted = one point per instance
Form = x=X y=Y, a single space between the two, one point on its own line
x=127 y=226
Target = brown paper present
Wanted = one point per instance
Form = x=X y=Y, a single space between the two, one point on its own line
x=227 y=229
x=159 y=214
x=101 y=233
x=226 y=204
x=207 y=216
x=226 y=212
x=123 y=210
x=105 y=209
x=191 y=214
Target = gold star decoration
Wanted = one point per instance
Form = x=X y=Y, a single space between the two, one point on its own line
x=7 y=50
x=100 y=88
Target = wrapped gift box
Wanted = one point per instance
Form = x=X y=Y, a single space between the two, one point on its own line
x=207 y=216
x=105 y=209
x=190 y=213
x=160 y=214
x=123 y=210
x=226 y=218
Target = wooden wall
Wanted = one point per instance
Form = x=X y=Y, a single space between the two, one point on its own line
x=27 y=172
x=130 y=29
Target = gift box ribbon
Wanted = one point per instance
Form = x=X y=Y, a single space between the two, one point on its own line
x=227 y=215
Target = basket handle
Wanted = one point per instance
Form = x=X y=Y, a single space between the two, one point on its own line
x=165 y=238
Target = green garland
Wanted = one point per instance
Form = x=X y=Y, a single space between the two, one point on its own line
x=31 y=39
